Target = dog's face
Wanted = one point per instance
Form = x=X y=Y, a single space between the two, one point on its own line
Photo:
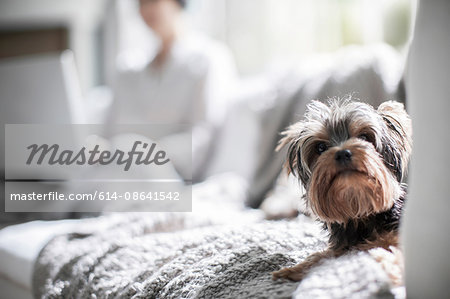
x=349 y=157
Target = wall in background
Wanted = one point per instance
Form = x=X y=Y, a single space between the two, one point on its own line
x=262 y=34
x=80 y=18
x=271 y=33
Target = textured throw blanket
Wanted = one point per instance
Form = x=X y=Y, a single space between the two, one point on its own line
x=228 y=252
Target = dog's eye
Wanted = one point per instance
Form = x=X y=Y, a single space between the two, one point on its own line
x=364 y=137
x=321 y=147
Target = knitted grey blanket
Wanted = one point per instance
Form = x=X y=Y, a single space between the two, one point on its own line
x=134 y=256
x=221 y=250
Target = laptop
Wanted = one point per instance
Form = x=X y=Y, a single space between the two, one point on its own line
x=39 y=89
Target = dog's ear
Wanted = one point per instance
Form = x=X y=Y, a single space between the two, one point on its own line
x=291 y=138
x=399 y=129
x=397 y=119
x=287 y=136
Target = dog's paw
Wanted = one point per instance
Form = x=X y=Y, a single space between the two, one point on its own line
x=294 y=274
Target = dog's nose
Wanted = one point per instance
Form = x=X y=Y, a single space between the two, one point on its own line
x=343 y=156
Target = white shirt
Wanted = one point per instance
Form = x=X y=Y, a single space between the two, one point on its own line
x=191 y=86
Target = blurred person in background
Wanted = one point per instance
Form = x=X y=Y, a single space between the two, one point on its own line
x=186 y=81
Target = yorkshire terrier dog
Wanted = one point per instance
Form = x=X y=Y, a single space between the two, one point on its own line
x=351 y=160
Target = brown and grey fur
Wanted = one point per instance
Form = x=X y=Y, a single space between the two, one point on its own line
x=359 y=198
